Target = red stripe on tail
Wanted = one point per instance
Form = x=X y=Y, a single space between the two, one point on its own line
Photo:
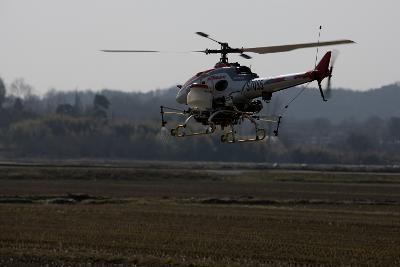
x=322 y=69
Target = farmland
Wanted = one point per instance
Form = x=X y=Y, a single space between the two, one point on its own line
x=133 y=215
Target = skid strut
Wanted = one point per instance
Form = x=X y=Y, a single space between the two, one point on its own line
x=230 y=137
x=179 y=130
x=163 y=122
x=276 y=131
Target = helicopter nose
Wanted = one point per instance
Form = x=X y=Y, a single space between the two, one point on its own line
x=181 y=97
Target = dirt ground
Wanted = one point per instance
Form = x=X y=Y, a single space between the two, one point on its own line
x=111 y=216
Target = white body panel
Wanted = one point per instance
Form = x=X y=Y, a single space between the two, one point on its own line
x=256 y=87
x=241 y=88
x=199 y=98
x=210 y=78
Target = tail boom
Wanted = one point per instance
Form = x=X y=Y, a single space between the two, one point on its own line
x=257 y=87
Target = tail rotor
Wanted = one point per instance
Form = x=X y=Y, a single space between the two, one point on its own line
x=328 y=90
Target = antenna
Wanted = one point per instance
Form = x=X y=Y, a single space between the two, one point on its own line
x=316 y=55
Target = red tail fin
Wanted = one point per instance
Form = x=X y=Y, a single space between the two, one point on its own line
x=323 y=66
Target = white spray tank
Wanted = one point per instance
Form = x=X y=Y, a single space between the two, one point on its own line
x=200 y=97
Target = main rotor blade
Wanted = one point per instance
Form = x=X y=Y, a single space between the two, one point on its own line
x=148 y=51
x=205 y=35
x=202 y=34
x=131 y=51
x=285 y=48
x=245 y=56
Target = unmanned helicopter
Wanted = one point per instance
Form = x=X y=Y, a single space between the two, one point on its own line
x=229 y=93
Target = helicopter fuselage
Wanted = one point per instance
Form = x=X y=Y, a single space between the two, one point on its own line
x=238 y=86
x=223 y=81
x=226 y=94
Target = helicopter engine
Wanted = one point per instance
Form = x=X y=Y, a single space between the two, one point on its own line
x=254 y=106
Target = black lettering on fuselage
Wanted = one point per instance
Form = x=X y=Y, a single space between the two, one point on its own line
x=257 y=85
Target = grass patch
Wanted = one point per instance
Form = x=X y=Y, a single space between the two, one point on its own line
x=316 y=177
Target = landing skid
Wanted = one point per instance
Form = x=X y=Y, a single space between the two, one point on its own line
x=181 y=130
x=230 y=137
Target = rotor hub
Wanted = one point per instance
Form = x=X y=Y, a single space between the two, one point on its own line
x=224 y=51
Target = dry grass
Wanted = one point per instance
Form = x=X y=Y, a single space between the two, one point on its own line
x=170 y=218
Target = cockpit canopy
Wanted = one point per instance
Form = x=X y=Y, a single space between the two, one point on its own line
x=243 y=70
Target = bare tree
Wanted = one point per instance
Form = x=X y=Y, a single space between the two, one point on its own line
x=20 y=89
x=101 y=105
x=2 y=92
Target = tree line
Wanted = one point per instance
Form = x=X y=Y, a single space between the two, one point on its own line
x=115 y=124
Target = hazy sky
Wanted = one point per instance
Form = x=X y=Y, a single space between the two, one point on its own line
x=54 y=43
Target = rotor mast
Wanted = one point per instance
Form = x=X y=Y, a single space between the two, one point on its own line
x=224 y=51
